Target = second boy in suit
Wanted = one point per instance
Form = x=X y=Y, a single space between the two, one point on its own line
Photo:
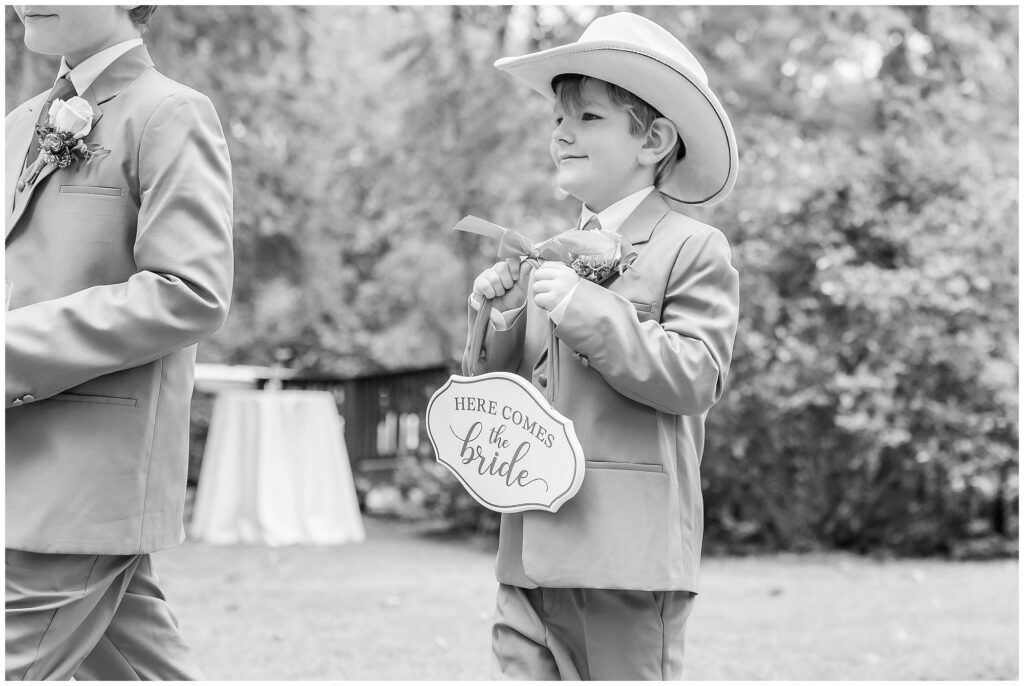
x=118 y=263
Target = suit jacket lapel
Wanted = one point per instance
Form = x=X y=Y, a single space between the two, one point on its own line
x=23 y=194
x=90 y=97
x=112 y=81
x=637 y=229
x=120 y=74
x=639 y=225
x=20 y=134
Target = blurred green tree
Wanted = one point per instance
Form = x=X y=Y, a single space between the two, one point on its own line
x=873 y=398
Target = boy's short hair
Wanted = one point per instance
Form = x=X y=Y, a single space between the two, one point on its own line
x=140 y=15
x=569 y=91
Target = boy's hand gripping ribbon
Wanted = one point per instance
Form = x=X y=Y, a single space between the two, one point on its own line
x=561 y=248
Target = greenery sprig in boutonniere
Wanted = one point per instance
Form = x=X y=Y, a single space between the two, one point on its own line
x=61 y=140
x=596 y=255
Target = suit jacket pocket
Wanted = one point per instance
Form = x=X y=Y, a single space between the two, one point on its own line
x=620 y=531
x=101 y=399
x=93 y=190
x=630 y=466
x=644 y=311
x=92 y=214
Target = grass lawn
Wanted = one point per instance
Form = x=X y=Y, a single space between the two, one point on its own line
x=404 y=605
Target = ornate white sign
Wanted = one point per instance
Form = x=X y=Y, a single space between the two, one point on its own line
x=505 y=443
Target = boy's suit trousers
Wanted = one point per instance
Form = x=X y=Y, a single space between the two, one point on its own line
x=573 y=634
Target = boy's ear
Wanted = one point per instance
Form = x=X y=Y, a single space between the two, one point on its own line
x=660 y=140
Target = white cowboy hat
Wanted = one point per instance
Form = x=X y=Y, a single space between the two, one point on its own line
x=636 y=54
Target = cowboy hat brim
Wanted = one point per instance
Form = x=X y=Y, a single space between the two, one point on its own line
x=708 y=172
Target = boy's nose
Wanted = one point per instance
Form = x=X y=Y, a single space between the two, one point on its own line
x=563 y=132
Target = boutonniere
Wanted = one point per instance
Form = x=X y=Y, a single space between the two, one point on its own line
x=61 y=139
x=596 y=255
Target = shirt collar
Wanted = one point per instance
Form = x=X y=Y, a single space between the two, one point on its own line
x=86 y=73
x=615 y=214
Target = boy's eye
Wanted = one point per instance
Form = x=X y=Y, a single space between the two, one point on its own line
x=558 y=121
x=589 y=116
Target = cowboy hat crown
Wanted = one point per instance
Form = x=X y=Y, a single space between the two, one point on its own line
x=635 y=53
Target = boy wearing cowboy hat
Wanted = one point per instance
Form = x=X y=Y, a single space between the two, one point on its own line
x=602 y=589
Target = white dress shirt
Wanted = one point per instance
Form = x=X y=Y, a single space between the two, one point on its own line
x=615 y=215
x=89 y=70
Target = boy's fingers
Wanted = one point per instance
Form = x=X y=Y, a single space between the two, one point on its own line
x=498 y=282
x=504 y=275
x=551 y=268
x=548 y=270
x=513 y=264
x=483 y=287
x=545 y=282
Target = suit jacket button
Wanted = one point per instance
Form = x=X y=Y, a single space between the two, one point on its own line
x=542 y=379
x=17 y=401
x=29 y=398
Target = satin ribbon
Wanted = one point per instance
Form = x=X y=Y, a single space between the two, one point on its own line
x=558 y=248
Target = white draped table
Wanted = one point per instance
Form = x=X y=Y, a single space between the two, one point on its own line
x=275 y=471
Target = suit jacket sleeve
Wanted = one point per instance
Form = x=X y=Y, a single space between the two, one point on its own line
x=678 y=365
x=183 y=252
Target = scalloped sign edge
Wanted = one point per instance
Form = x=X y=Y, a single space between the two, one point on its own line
x=542 y=403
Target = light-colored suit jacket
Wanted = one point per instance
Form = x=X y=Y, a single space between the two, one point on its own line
x=643 y=358
x=119 y=267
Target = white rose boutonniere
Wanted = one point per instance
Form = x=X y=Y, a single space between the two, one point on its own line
x=60 y=141
x=73 y=116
